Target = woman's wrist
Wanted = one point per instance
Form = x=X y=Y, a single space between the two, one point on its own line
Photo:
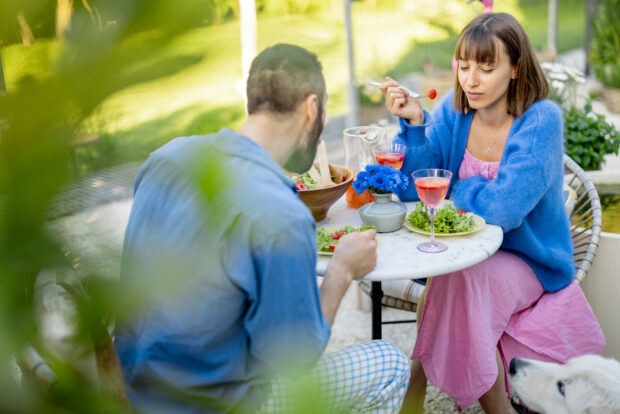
x=417 y=120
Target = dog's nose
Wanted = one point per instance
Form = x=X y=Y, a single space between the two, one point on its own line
x=515 y=363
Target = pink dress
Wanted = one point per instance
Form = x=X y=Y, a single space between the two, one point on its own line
x=497 y=304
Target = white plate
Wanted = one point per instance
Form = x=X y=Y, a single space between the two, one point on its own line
x=479 y=224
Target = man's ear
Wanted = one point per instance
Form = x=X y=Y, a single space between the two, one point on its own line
x=311 y=107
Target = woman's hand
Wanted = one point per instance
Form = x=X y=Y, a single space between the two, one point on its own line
x=399 y=103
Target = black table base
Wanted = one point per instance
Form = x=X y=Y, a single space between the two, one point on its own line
x=376 y=294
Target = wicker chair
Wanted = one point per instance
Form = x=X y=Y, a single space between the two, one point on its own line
x=57 y=295
x=585 y=214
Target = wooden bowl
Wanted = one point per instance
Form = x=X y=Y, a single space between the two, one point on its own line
x=321 y=199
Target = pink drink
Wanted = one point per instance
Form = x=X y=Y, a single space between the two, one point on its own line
x=432 y=190
x=392 y=159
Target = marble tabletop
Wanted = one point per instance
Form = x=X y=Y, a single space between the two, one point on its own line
x=398 y=256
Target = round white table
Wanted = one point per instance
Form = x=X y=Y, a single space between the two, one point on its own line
x=399 y=258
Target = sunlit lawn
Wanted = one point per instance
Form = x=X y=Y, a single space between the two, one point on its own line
x=207 y=96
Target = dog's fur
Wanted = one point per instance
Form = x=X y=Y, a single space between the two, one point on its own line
x=586 y=384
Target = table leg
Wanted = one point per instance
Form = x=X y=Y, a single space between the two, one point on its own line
x=376 y=294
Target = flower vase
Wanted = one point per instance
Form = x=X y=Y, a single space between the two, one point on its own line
x=384 y=213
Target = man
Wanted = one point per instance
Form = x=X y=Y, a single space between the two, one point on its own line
x=249 y=321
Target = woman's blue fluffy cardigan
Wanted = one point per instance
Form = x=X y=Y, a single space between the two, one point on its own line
x=526 y=197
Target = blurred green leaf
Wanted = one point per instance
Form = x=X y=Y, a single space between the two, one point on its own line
x=40 y=117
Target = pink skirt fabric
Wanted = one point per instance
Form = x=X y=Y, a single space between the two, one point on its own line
x=498 y=304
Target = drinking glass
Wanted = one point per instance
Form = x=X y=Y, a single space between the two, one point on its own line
x=358 y=142
x=432 y=186
x=390 y=154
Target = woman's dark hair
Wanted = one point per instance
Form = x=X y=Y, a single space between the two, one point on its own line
x=282 y=76
x=478 y=42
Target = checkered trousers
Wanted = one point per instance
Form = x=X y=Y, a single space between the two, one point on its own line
x=370 y=377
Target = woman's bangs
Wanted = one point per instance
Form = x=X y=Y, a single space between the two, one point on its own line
x=479 y=45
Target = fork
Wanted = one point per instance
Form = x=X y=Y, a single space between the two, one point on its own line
x=408 y=91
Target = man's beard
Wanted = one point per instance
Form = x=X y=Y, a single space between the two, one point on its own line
x=303 y=156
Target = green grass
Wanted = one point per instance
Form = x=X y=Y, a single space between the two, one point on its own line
x=571 y=23
x=208 y=95
x=611 y=213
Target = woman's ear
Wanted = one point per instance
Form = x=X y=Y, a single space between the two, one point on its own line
x=514 y=72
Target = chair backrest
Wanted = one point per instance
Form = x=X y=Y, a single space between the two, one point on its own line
x=585 y=219
x=56 y=296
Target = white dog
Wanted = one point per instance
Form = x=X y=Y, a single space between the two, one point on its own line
x=586 y=384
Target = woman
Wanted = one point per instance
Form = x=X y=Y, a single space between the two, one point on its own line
x=503 y=142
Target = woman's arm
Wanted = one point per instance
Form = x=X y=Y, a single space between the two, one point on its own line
x=427 y=144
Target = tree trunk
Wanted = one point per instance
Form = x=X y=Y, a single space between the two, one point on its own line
x=552 y=29
x=591 y=13
x=247 y=21
x=351 y=118
x=2 y=83
x=24 y=29
x=64 y=10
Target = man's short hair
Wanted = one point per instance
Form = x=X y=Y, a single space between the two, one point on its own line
x=281 y=77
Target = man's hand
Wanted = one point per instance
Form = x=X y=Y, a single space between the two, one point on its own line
x=355 y=256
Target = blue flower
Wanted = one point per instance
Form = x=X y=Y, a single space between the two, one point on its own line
x=398 y=182
x=380 y=179
x=373 y=169
x=361 y=182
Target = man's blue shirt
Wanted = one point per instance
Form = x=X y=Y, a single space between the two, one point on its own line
x=232 y=270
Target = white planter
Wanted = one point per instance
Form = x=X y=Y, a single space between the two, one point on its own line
x=602 y=288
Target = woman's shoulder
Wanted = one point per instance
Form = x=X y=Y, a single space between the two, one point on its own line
x=545 y=111
x=539 y=132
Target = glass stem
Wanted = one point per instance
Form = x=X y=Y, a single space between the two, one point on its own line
x=432 y=225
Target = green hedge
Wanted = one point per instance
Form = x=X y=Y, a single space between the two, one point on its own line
x=605 y=52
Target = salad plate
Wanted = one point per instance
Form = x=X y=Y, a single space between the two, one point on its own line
x=332 y=230
x=478 y=224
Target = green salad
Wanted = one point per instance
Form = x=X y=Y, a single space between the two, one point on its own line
x=447 y=219
x=305 y=178
x=306 y=182
x=327 y=239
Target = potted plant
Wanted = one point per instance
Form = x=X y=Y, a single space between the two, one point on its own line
x=605 y=52
x=384 y=213
x=588 y=137
x=563 y=82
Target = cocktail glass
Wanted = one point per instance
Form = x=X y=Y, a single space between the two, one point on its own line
x=432 y=186
x=390 y=154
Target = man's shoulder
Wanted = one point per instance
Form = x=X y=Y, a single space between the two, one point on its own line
x=181 y=150
x=271 y=204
